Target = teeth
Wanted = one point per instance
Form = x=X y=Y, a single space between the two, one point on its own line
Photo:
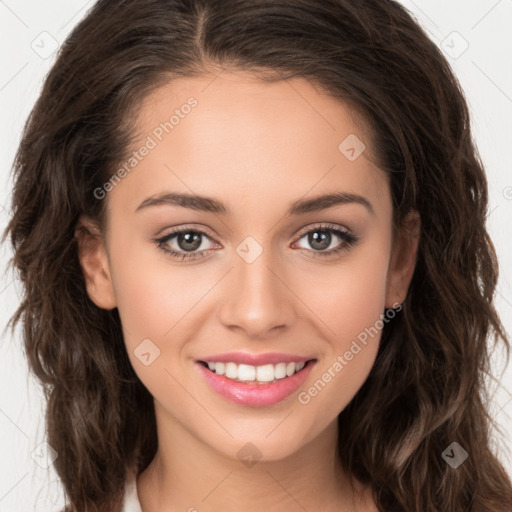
x=265 y=373
x=231 y=371
x=247 y=372
x=280 y=371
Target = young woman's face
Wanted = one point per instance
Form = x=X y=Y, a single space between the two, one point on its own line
x=245 y=287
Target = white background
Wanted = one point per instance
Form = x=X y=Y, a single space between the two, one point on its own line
x=28 y=29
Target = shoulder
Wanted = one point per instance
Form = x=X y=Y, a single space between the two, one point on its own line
x=131 y=499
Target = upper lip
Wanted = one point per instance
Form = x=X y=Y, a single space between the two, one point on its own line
x=255 y=359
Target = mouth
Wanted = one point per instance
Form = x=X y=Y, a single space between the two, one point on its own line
x=259 y=375
x=255 y=385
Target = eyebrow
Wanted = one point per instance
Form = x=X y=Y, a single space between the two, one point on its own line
x=300 y=207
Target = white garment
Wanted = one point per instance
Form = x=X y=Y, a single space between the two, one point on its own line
x=131 y=500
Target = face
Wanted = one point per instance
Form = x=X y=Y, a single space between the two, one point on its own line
x=259 y=304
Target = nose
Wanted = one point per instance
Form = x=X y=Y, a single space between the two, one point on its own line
x=257 y=301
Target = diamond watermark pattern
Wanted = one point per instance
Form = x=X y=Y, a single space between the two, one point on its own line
x=44 y=45
x=146 y=352
x=352 y=147
x=454 y=45
x=455 y=455
x=249 y=455
x=249 y=249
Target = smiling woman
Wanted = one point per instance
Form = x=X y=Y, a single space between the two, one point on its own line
x=285 y=303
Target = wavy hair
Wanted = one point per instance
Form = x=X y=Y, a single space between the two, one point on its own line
x=427 y=388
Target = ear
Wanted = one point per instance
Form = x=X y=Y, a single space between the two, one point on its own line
x=403 y=259
x=93 y=259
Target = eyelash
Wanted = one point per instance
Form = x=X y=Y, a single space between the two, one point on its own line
x=348 y=240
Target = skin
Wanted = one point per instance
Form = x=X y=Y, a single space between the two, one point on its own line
x=257 y=147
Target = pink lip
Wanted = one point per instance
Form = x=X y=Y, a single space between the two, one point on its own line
x=255 y=359
x=255 y=395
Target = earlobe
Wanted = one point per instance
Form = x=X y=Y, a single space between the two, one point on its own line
x=94 y=263
x=403 y=260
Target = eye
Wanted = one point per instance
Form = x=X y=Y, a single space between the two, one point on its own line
x=322 y=239
x=188 y=243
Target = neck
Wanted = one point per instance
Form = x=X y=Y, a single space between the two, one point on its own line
x=188 y=475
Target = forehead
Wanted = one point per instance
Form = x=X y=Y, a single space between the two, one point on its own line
x=257 y=138
x=239 y=102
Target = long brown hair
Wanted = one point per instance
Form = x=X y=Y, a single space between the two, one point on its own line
x=426 y=389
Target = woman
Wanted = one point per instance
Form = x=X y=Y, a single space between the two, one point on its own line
x=252 y=240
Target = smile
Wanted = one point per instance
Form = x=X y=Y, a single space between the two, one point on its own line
x=255 y=385
x=255 y=374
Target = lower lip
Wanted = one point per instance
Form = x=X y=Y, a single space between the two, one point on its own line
x=256 y=395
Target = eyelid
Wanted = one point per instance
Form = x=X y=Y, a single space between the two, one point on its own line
x=185 y=228
x=322 y=225
x=345 y=235
x=298 y=235
x=348 y=239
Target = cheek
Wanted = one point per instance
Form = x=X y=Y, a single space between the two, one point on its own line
x=351 y=307
x=359 y=301
x=151 y=296
x=152 y=305
x=351 y=296
x=145 y=301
